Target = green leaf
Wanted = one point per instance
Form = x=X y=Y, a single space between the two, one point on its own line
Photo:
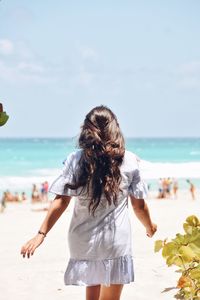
x=169 y=249
x=180 y=239
x=190 y=291
x=195 y=274
x=187 y=253
x=188 y=228
x=193 y=221
x=170 y=260
x=158 y=245
x=195 y=249
x=177 y=261
x=196 y=239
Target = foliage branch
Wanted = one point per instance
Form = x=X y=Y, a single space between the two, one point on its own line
x=183 y=251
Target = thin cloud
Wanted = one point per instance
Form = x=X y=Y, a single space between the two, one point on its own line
x=85 y=78
x=191 y=68
x=24 y=67
x=24 y=73
x=23 y=51
x=31 y=67
x=88 y=53
x=6 y=47
x=189 y=83
x=21 y=15
x=189 y=75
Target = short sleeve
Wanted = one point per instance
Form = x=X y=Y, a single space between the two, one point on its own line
x=67 y=176
x=138 y=187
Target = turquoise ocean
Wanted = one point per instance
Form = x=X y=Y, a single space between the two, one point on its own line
x=24 y=161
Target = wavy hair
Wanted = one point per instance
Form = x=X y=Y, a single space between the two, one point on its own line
x=103 y=150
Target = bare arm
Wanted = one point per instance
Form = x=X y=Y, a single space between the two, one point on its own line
x=142 y=212
x=56 y=209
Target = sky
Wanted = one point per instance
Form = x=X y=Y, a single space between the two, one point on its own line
x=60 y=59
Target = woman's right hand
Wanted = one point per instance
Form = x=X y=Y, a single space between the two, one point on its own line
x=151 y=230
x=29 y=248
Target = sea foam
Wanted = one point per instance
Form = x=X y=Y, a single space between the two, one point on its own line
x=176 y=170
x=149 y=171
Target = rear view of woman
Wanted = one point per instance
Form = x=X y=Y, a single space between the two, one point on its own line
x=102 y=176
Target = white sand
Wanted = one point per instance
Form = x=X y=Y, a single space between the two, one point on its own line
x=41 y=277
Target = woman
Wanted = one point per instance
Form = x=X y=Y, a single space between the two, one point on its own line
x=102 y=176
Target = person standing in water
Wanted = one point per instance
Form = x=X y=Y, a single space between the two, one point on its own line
x=192 y=189
x=104 y=178
x=175 y=188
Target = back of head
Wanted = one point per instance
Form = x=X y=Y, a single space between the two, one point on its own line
x=103 y=151
x=101 y=134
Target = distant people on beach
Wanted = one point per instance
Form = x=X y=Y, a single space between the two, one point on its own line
x=2 y=203
x=192 y=189
x=166 y=186
x=24 y=197
x=10 y=197
x=35 y=195
x=40 y=195
x=160 y=189
x=175 y=188
x=44 y=191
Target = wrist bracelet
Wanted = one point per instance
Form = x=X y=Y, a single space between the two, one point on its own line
x=40 y=232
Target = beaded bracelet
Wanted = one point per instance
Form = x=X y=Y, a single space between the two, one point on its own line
x=40 y=232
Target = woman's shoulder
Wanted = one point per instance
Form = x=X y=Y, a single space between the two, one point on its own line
x=73 y=157
x=131 y=159
x=131 y=155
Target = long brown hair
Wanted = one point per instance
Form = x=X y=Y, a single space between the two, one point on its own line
x=103 y=151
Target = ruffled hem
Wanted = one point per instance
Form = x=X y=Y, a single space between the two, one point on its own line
x=108 y=271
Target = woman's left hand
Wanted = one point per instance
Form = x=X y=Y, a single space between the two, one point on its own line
x=29 y=248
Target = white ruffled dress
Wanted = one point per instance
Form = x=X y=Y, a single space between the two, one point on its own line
x=101 y=245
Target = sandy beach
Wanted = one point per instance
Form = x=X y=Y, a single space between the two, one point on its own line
x=41 y=277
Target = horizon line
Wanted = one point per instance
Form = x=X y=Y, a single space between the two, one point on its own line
x=126 y=137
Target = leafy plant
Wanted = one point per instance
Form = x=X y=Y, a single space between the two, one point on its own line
x=184 y=252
